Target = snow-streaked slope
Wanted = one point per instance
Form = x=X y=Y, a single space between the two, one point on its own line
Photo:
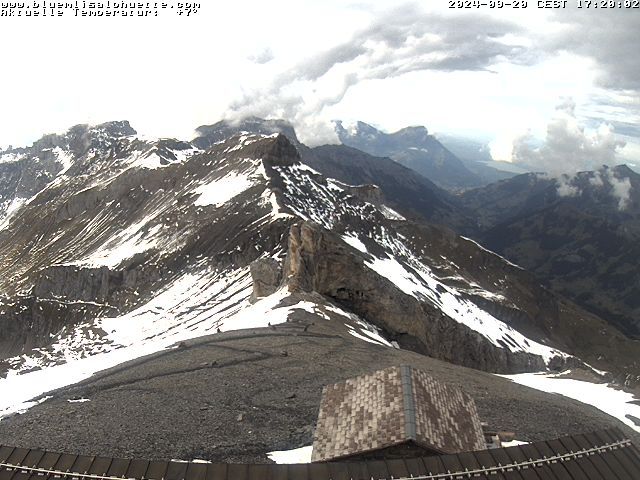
x=360 y=328
x=195 y=301
x=206 y=213
x=416 y=279
x=135 y=239
x=110 y=204
x=615 y=402
x=10 y=207
x=193 y=306
x=327 y=203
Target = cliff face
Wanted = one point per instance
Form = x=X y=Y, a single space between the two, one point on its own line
x=318 y=261
x=326 y=262
x=64 y=296
x=165 y=236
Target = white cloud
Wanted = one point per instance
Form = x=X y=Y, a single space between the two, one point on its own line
x=621 y=189
x=596 y=180
x=568 y=147
x=605 y=179
x=386 y=63
x=565 y=189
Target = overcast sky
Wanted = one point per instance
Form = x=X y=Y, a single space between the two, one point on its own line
x=539 y=80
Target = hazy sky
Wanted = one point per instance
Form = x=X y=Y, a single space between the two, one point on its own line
x=537 y=78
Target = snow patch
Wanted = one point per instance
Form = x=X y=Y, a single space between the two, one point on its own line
x=137 y=238
x=268 y=197
x=10 y=210
x=221 y=190
x=355 y=242
x=149 y=160
x=492 y=253
x=424 y=285
x=513 y=443
x=11 y=157
x=184 y=155
x=246 y=139
x=297 y=455
x=604 y=397
x=390 y=213
x=64 y=158
x=192 y=306
x=365 y=330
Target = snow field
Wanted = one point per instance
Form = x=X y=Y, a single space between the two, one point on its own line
x=602 y=396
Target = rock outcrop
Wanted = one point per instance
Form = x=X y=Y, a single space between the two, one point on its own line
x=318 y=261
x=278 y=151
x=62 y=296
x=267 y=275
x=131 y=221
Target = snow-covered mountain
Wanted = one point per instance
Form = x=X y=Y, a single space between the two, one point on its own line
x=114 y=246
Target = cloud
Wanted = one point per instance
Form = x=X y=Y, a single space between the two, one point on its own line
x=568 y=147
x=403 y=40
x=608 y=36
x=605 y=179
x=567 y=105
x=565 y=188
x=262 y=57
x=596 y=180
x=620 y=189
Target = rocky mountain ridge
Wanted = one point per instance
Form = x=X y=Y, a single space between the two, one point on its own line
x=423 y=153
x=229 y=261
x=134 y=240
x=580 y=234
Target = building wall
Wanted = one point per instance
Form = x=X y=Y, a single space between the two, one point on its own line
x=407 y=449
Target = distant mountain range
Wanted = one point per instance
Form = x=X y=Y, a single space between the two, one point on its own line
x=416 y=149
x=222 y=280
x=580 y=234
x=590 y=223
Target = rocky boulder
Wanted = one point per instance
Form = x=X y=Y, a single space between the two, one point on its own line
x=266 y=274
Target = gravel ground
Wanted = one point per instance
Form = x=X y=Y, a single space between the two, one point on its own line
x=234 y=396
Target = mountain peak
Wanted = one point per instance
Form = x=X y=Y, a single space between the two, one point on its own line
x=112 y=129
x=117 y=128
x=417 y=130
x=207 y=135
x=277 y=150
x=414 y=148
x=365 y=128
x=81 y=137
x=624 y=171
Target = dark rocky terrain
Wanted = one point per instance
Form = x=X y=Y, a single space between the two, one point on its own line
x=415 y=196
x=584 y=245
x=234 y=397
x=129 y=245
